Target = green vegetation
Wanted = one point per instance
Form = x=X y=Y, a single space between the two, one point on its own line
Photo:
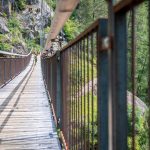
x=14 y=23
x=86 y=12
x=71 y=29
x=15 y=28
x=51 y=3
x=18 y=36
x=141 y=127
x=46 y=30
x=21 y=4
x=32 y=45
x=84 y=71
x=141 y=52
x=84 y=115
x=5 y=46
x=5 y=43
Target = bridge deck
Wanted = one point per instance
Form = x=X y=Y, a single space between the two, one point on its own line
x=25 y=118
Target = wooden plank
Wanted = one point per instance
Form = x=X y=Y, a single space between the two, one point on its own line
x=26 y=120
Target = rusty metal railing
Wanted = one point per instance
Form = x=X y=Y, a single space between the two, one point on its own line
x=93 y=85
x=11 y=65
x=72 y=81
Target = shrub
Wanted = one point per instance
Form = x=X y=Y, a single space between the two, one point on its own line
x=21 y=4
x=141 y=128
x=31 y=44
x=5 y=46
x=71 y=29
x=51 y=3
x=13 y=23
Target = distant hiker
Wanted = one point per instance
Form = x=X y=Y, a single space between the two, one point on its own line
x=35 y=58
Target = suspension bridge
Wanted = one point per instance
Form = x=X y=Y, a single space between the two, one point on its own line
x=75 y=98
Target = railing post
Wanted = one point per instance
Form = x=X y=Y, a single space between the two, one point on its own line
x=4 y=71
x=118 y=79
x=59 y=91
x=10 y=69
x=102 y=84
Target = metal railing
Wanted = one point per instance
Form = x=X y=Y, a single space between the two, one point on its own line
x=72 y=81
x=11 y=65
x=89 y=81
x=129 y=65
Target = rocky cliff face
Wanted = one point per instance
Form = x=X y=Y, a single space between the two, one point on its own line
x=5 y=6
x=32 y=20
x=3 y=25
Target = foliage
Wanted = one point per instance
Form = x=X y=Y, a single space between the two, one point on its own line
x=80 y=20
x=141 y=127
x=51 y=3
x=32 y=45
x=4 y=14
x=15 y=28
x=3 y=38
x=141 y=76
x=88 y=11
x=5 y=43
x=85 y=68
x=13 y=22
x=141 y=52
x=71 y=29
x=46 y=30
x=5 y=46
x=21 y=4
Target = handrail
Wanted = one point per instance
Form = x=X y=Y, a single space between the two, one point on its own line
x=14 y=54
x=63 y=11
x=91 y=28
x=126 y=5
x=10 y=67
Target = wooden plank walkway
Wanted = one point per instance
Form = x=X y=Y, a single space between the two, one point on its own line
x=26 y=121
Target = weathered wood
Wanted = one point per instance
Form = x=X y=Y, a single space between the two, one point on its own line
x=26 y=121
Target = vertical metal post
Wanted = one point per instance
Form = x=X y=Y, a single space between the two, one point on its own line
x=0 y=72
x=149 y=72
x=133 y=73
x=102 y=84
x=119 y=83
x=58 y=90
x=4 y=71
x=51 y=77
x=15 y=66
x=10 y=68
